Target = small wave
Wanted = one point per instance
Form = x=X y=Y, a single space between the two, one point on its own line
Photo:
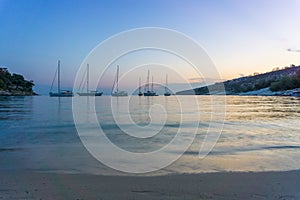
x=212 y=153
x=173 y=125
x=9 y=149
x=233 y=151
x=282 y=147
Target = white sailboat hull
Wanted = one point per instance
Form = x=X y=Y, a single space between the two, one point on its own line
x=119 y=94
x=89 y=93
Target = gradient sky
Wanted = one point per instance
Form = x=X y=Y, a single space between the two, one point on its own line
x=240 y=36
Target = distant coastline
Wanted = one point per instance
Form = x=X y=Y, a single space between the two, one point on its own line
x=278 y=82
x=14 y=84
x=16 y=93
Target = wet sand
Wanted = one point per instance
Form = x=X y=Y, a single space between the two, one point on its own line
x=227 y=185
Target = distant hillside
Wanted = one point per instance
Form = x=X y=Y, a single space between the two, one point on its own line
x=277 y=80
x=14 y=84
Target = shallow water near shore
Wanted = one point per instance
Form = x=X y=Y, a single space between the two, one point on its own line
x=259 y=134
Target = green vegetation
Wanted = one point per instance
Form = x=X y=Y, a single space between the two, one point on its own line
x=246 y=87
x=286 y=83
x=279 y=79
x=14 y=84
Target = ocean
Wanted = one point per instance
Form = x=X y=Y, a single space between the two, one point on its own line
x=254 y=133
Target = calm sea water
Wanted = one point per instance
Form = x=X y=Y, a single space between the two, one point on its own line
x=259 y=133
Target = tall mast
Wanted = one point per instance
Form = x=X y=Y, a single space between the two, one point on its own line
x=166 y=83
x=58 y=77
x=117 y=78
x=139 y=84
x=87 y=77
x=152 y=85
x=148 y=81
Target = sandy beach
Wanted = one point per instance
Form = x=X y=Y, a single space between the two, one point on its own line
x=227 y=185
x=41 y=156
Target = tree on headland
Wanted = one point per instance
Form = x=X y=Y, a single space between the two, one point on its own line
x=298 y=74
x=279 y=79
x=15 y=83
x=286 y=83
x=17 y=80
x=298 y=77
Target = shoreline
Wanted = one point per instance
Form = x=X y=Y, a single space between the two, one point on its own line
x=219 y=185
x=240 y=94
x=268 y=92
x=5 y=93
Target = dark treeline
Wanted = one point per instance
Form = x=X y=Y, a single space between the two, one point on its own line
x=14 y=84
x=277 y=80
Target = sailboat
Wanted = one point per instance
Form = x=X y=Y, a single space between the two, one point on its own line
x=88 y=92
x=117 y=93
x=149 y=92
x=140 y=92
x=59 y=93
x=167 y=92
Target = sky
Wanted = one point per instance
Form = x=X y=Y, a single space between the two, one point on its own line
x=240 y=36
